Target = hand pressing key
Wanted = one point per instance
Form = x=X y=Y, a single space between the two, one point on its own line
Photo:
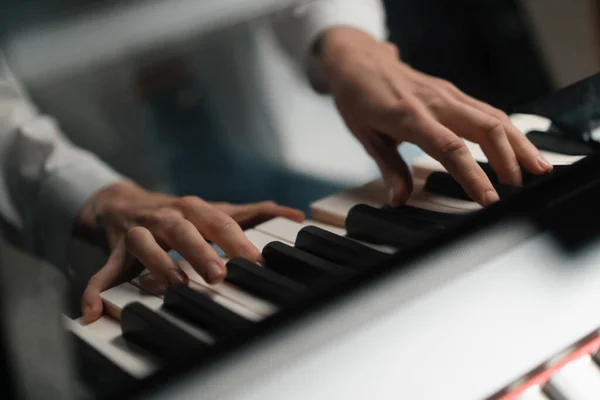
x=142 y=226
x=385 y=102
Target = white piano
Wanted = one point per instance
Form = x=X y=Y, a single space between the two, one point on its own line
x=503 y=312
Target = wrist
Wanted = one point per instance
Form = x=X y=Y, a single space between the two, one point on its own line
x=88 y=221
x=341 y=46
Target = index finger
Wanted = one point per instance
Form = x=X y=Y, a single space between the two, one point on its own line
x=450 y=150
x=220 y=228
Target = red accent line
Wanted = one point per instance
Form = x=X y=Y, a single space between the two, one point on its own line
x=543 y=377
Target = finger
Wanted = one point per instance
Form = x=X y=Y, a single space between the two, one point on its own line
x=117 y=269
x=220 y=228
x=394 y=171
x=142 y=244
x=384 y=151
x=253 y=214
x=527 y=154
x=489 y=133
x=443 y=145
x=183 y=237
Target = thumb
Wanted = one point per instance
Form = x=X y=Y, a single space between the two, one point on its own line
x=110 y=274
x=394 y=171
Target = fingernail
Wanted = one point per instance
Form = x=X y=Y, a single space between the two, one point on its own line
x=215 y=272
x=176 y=277
x=543 y=163
x=491 y=197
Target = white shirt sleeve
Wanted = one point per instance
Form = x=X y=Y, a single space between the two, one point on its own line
x=299 y=28
x=44 y=179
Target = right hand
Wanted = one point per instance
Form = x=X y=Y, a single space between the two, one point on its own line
x=142 y=226
x=385 y=102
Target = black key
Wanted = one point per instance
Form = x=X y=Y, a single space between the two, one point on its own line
x=158 y=335
x=557 y=143
x=435 y=217
x=99 y=375
x=374 y=225
x=444 y=184
x=203 y=311
x=528 y=177
x=338 y=249
x=263 y=282
x=302 y=266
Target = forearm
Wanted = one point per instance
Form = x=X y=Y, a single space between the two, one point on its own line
x=300 y=29
x=45 y=179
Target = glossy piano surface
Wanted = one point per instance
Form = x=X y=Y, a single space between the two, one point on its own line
x=461 y=322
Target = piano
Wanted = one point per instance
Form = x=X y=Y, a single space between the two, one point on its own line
x=436 y=299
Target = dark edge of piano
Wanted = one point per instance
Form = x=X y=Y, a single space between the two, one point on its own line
x=530 y=201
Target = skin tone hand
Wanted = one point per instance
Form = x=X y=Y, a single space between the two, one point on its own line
x=141 y=227
x=385 y=102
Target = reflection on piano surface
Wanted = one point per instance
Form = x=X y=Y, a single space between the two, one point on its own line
x=353 y=232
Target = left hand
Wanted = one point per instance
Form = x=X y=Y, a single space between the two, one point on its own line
x=141 y=226
x=385 y=102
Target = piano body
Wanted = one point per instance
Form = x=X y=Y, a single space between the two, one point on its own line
x=437 y=299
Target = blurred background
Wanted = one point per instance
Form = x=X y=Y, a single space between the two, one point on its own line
x=198 y=96
x=219 y=110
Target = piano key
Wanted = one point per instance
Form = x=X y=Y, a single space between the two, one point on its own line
x=116 y=298
x=263 y=282
x=104 y=335
x=533 y=393
x=578 y=380
x=553 y=158
x=333 y=210
x=230 y=296
x=529 y=122
x=98 y=373
x=301 y=266
x=338 y=249
x=557 y=143
x=287 y=231
x=420 y=214
x=386 y=227
x=528 y=177
x=159 y=335
x=203 y=311
x=423 y=166
x=126 y=293
x=442 y=183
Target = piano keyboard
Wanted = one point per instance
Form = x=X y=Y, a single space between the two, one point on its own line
x=352 y=231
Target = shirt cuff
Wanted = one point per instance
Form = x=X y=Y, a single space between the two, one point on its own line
x=300 y=28
x=63 y=194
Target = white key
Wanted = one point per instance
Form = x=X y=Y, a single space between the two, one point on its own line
x=332 y=210
x=120 y=296
x=105 y=336
x=553 y=158
x=287 y=231
x=116 y=298
x=235 y=299
x=528 y=122
x=533 y=393
x=229 y=296
x=578 y=380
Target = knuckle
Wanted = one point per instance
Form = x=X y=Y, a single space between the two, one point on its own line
x=221 y=222
x=496 y=130
x=269 y=204
x=452 y=147
x=134 y=234
x=178 y=227
x=191 y=202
